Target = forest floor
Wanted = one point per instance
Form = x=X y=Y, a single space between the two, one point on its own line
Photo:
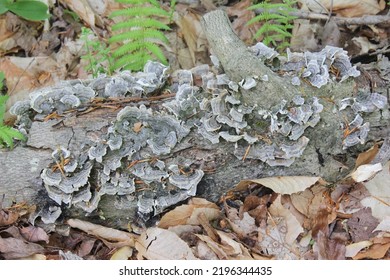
x=287 y=217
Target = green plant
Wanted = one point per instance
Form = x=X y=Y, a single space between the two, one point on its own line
x=7 y=134
x=27 y=9
x=276 y=20
x=97 y=53
x=139 y=34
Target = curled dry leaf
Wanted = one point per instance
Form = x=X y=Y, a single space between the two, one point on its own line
x=282 y=185
x=106 y=234
x=188 y=214
x=161 y=244
x=378 y=187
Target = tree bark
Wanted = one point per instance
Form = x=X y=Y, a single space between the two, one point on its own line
x=21 y=168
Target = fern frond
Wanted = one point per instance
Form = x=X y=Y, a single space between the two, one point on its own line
x=134 y=62
x=140 y=22
x=277 y=22
x=137 y=11
x=139 y=34
x=156 y=50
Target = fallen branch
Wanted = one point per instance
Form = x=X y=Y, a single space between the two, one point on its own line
x=364 y=20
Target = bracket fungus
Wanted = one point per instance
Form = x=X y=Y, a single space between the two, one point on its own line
x=137 y=146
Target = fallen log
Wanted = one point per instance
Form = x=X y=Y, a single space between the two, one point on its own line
x=113 y=159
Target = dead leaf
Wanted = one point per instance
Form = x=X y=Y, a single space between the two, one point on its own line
x=367 y=156
x=12 y=248
x=137 y=127
x=282 y=185
x=123 y=253
x=34 y=234
x=378 y=187
x=214 y=246
x=328 y=249
x=365 y=172
x=120 y=238
x=293 y=227
x=188 y=214
x=83 y=9
x=162 y=244
x=241 y=16
x=85 y=247
x=244 y=226
x=204 y=252
x=384 y=225
x=376 y=251
x=361 y=225
x=194 y=36
x=8 y=217
x=309 y=201
x=354 y=248
x=346 y=8
x=35 y=257
x=69 y=256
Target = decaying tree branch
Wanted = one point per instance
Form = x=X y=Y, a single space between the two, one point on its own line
x=363 y=20
x=93 y=138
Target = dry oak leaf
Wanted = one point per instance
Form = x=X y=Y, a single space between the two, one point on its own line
x=162 y=244
x=111 y=237
x=188 y=214
x=281 y=184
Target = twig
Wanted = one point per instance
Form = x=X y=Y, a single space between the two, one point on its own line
x=364 y=20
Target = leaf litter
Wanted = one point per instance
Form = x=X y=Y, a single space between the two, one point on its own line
x=296 y=217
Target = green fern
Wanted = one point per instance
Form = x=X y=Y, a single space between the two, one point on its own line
x=277 y=22
x=140 y=35
x=7 y=134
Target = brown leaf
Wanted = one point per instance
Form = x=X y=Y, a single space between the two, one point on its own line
x=162 y=244
x=137 y=127
x=376 y=251
x=188 y=214
x=242 y=16
x=111 y=237
x=8 y=217
x=34 y=234
x=194 y=36
x=123 y=253
x=328 y=249
x=282 y=185
x=12 y=248
x=361 y=225
x=367 y=156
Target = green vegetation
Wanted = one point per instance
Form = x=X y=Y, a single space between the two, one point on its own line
x=276 y=22
x=27 y=9
x=98 y=53
x=139 y=34
x=7 y=134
